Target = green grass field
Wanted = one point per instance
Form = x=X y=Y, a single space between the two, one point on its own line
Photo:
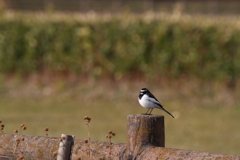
x=207 y=119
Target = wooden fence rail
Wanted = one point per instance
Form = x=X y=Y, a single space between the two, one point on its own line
x=189 y=6
x=145 y=140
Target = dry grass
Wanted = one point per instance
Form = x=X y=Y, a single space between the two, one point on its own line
x=207 y=116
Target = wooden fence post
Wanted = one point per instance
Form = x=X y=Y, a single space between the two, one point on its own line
x=64 y=150
x=144 y=131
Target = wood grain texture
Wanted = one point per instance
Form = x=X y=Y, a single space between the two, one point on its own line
x=144 y=131
x=32 y=147
x=65 y=146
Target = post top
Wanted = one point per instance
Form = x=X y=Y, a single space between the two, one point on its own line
x=68 y=137
x=146 y=115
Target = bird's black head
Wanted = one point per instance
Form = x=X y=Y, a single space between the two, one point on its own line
x=144 y=90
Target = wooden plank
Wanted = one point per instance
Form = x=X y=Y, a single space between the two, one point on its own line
x=144 y=131
x=65 y=146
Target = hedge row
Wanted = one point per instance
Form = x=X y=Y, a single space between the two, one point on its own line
x=120 y=45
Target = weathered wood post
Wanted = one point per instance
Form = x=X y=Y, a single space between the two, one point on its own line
x=144 y=131
x=64 y=150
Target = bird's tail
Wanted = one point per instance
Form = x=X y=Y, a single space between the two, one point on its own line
x=167 y=112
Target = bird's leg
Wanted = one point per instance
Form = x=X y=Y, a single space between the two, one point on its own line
x=151 y=111
x=147 y=111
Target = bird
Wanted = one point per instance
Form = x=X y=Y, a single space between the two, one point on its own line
x=147 y=100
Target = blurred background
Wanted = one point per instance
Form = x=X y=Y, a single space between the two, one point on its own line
x=62 y=60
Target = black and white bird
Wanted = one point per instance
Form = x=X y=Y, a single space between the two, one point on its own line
x=147 y=100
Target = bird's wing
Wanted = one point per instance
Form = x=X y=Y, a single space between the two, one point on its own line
x=155 y=101
x=152 y=96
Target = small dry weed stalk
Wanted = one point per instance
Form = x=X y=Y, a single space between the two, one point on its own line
x=1 y=127
x=87 y=120
x=17 y=146
x=22 y=128
x=18 y=141
x=46 y=130
x=110 y=135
